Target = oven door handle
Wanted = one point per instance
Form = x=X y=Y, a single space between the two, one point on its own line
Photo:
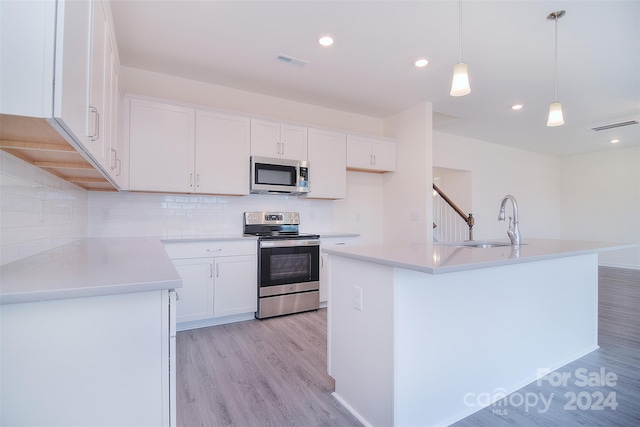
x=288 y=243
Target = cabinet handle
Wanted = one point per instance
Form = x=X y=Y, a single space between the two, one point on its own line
x=278 y=147
x=321 y=262
x=96 y=135
x=198 y=180
x=217 y=269
x=374 y=159
x=210 y=270
x=114 y=158
x=371 y=159
x=283 y=148
x=119 y=164
x=340 y=244
x=214 y=250
x=190 y=180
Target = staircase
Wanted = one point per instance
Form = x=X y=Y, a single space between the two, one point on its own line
x=450 y=224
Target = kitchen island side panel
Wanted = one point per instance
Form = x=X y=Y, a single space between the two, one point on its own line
x=465 y=335
x=361 y=341
x=86 y=361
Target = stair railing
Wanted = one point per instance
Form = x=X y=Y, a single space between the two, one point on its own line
x=448 y=219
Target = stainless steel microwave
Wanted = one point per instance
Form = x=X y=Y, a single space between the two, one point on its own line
x=279 y=176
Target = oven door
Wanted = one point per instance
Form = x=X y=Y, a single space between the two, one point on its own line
x=283 y=262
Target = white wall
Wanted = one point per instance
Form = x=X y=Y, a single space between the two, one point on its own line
x=408 y=203
x=158 y=85
x=601 y=201
x=496 y=170
x=38 y=211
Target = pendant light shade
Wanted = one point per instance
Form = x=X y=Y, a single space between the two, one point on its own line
x=555 y=109
x=460 y=82
x=555 y=114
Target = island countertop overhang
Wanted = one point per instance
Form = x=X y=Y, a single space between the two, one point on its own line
x=435 y=258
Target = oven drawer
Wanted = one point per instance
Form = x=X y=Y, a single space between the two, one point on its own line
x=287 y=304
x=211 y=248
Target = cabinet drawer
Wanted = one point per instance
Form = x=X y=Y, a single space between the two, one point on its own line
x=211 y=248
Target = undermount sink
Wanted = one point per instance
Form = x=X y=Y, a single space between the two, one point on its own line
x=485 y=244
x=474 y=244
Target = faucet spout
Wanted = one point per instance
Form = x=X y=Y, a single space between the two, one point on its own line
x=514 y=229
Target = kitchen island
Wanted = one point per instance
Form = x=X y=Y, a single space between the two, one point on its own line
x=427 y=334
x=88 y=335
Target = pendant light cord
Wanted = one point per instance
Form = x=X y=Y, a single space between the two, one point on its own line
x=460 y=29
x=555 y=72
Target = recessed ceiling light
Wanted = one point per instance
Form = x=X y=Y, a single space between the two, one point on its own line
x=516 y=107
x=421 y=62
x=615 y=141
x=325 y=40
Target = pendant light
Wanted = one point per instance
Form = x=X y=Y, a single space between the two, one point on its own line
x=555 y=109
x=460 y=82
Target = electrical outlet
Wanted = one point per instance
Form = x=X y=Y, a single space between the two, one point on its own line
x=357 y=298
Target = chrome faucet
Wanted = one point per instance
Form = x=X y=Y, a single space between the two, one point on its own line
x=514 y=229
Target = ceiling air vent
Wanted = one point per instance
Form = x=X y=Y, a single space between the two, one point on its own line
x=615 y=125
x=291 y=60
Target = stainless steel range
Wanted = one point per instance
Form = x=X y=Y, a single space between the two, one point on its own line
x=288 y=263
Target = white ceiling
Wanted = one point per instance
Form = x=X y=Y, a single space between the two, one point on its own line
x=509 y=46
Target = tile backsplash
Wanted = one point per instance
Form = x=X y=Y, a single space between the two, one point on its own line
x=38 y=211
x=137 y=214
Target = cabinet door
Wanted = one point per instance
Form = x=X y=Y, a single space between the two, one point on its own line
x=293 y=142
x=273 y=139
x=384 y=155
x=222 y=153
x=98 y=144
x=195 y=298
x=265 y=138
x=359 y=153
x=328 y=164
x=161 y=146
x=236 y=285
x=71 y=91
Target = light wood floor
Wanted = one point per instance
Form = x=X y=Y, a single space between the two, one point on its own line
x=270 y=372
x=273 y=372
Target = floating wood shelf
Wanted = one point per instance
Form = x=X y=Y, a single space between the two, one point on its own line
x=36 y=142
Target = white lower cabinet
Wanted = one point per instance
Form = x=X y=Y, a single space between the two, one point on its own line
x=196 y=295
x=219 y=280
x=327 y=242
x=103 y=360
x=235 y=285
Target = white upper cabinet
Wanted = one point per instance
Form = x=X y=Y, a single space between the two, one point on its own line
x=370 y=154
x=71 y=93
x=176 y=148
x=28 y=35
x=221 y=153
x=57 y=62
x=279 y=140
x=99 y=97
x=327 y=164
x=161 y=147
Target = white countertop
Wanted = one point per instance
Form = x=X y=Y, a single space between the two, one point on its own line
x=89 y=267
x=220 y=237
x=435 y=258
x=204 y=238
